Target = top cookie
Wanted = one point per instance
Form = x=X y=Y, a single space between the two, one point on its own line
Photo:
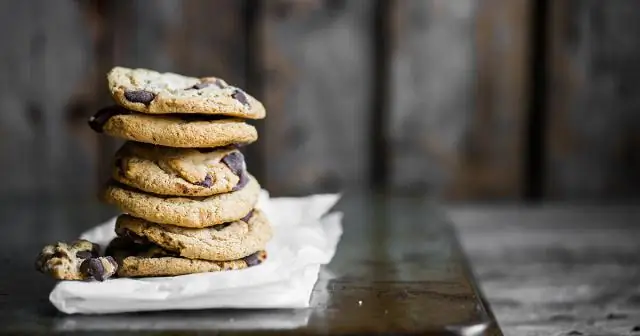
x=148 y=91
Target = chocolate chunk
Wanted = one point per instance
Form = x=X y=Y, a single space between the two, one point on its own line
x=94 y=268
x=206 y=83
x=200 y=86
x=253 y=259
x=97 y=121
x=83 y=254
x=112 y=262
x=208 y=182
x=240 y=96
x=140 y=96
x=244 y=179
x=235 y=162
x=247 y=217
x=95 y=250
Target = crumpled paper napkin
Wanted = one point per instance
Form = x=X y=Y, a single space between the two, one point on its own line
x=305 y=237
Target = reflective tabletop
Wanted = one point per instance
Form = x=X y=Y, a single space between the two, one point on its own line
x=398 y=269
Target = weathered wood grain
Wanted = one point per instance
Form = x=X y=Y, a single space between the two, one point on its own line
x=452 y=116
x=593 y=142
x=431 y=92
x=210 y=40
x=556 y=270
x=458 y=98
x=494 y=151
x=43 y=57
x=316 y=73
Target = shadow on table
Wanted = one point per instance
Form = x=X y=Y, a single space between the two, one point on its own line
x=218 y=319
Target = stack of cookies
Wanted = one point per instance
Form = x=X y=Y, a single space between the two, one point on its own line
x=180 y=179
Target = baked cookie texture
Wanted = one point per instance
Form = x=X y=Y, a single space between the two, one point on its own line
x=188 y=200
x=138 y=260
x=79 y=260
x=179 y=172
x=182 y=131
x=227 y=241
x=194 y=212
x=149 y=91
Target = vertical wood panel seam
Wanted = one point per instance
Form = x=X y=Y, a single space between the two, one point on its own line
x=536 y=119
x=381 y=39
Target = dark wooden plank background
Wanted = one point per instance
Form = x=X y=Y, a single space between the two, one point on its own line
x=469 y=100
x=593 y=142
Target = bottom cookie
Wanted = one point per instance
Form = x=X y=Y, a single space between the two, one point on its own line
x=136 y=260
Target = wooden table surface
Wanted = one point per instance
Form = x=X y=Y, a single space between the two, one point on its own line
x=398 y=269
x=545 y=271
x=556 y=269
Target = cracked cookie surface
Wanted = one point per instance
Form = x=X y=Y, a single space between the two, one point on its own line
x=179 y=172
x=227 y=241
x=149 y=91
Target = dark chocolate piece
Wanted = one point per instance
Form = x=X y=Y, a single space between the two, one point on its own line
x=244 y=179
x=208 y=182
x=95 y=250
x=253 y=259
x=235 y=162
x=247 y=217
x=83 y=254
x=240 y=96
x=112 y=261
x=140 y=96
x=199 y=86
x=97 y=121
x=94 y=268
x=206 y=83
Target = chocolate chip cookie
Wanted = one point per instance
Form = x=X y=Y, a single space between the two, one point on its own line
x=149 y=91
x=194 y=212
x=179 y=172
x=148 y=260
x=227 y=241
x=183 y=131
x=79 y=260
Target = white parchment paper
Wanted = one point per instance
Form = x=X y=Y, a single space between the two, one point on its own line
x=305 y=237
